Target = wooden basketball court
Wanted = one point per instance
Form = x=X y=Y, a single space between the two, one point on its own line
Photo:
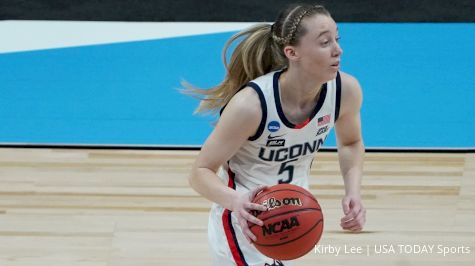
x=63 y=207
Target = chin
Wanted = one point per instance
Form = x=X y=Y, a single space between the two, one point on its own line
x=332 y=75
x=327 y=76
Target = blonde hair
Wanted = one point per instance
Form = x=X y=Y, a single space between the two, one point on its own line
x=259 y=52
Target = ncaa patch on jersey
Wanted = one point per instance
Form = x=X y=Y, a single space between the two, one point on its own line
x=273 y=126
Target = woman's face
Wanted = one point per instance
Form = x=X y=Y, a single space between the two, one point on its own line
x=318 y=51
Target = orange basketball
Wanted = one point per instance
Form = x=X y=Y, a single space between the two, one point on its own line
x=293 y=223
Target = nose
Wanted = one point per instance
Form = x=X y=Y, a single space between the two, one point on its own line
x=337 y=51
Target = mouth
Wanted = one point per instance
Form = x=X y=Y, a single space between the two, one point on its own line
x=336 y=65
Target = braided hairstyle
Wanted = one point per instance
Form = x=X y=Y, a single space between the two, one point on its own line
x=287 y=29
x=260 y=51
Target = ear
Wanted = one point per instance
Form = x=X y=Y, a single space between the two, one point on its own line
x=291 y=53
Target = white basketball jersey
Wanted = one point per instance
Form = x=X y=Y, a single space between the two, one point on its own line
x=282 y=152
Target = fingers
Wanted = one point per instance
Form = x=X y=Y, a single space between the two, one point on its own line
x=244 y=217
x=250 y=218
x=256 y=191
x=351 y=214
x=255 y=206
x=357 y=228
x=246 y=231
x=355 y=224
x=243 y=207
x=359 y=219
x=355 y=214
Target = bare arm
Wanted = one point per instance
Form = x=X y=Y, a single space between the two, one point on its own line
x=351 y=153
x=239 y=121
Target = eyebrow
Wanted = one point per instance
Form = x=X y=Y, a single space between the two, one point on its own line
x=323 y=32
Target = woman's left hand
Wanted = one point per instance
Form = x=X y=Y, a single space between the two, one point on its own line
x=355 y=213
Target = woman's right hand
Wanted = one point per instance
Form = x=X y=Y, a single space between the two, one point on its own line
x=242 y=206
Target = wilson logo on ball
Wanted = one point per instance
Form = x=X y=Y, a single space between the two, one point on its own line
x=273 y=203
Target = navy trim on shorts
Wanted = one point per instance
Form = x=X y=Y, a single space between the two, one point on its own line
x=318 y=106
x=262 y=99
x=338 y=95
x=241 y=255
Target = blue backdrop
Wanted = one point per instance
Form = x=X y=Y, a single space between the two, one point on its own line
x=418 y=84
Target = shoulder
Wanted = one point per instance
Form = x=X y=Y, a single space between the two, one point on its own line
x=238 y=121
x=246 y=101
x=244 y=109
x=351 y=93
x=350 y=86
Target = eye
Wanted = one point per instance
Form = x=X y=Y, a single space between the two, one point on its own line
x=338 y=38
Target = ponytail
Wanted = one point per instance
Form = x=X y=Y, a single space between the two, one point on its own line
x=257 y=54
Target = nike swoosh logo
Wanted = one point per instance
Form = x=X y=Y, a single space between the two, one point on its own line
x=273 y=137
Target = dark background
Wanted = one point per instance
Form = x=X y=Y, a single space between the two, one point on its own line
x=235 y=10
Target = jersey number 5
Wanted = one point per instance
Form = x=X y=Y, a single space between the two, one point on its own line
x=285 y=167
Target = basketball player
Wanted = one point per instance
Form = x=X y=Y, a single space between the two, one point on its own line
x=282 y=94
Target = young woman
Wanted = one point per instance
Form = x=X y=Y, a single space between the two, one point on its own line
x=282 y=94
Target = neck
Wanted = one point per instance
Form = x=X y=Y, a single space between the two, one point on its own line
x=299 y=88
